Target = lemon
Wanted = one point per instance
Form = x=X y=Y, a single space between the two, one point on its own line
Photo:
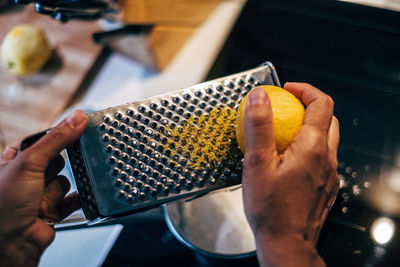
x=287 y=117
x=25 y=49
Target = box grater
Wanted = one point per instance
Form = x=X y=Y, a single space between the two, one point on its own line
x=121 y=164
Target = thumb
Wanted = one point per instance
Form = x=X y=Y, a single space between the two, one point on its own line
x=259 y=137
x=63 y=134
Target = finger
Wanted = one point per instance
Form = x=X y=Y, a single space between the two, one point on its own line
x=65 y=133
x=11 y=151
x=333 y=142
x=54 y=192
x=54 y=167
x=41 y=234
x=319 y=109
x=259 y=137
x=68 y=205
x=333 y=139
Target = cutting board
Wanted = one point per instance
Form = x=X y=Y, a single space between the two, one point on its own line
x=29 y=104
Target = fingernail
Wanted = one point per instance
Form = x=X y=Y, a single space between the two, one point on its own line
x=76 y=118
x=257 y=97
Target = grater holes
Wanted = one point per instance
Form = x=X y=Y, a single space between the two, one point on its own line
x=130 y=112
x=118 y=115
x=206 y=98
x=109 y=149
x=229 y=84
x=202 y=105
x=184 y=104
x=125 y=157
x=176 y=100
x=118 y=182
x=115 y=123
x=172 y=107
x=161 y=110
x=180 y=111
x=112 y=160
x=164 y=102
x=186 y=96
x=169 y=114
x=198 y=113
x=235 y=97
x=138 y=117
x=153 y=125
x=141 y=128
x=122 y=127
x=209 y=91
x=217 y=95
x=250 y=79
x=141 y=109
x=125 y=138
x=117 y=152
x=224 y=99
x=240 y=82
x=153 y=106
x=130 y=131
x=191 y=108
x=238 y=90
x=258 y=83
x=126 y=120
x=105 y=137
x=103 y=126
x=248 y=87
x=134 y=124
x=149 y=113
x=122 y=145
x=107 y=118
x=220 y=88
x=146 y=121
x=157 y=117
x=198 y=94
x=176 y=119
x=194 y=101
x=118 y=134
x=227 y=92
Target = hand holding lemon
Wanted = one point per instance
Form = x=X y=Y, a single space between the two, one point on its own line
x=287 y=195
x=25 y=49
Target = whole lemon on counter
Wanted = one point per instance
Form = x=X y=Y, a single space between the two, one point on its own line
x=25 y=49
x=287 y=117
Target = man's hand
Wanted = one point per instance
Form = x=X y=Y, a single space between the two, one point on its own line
x=288 y=196
x=32 y=194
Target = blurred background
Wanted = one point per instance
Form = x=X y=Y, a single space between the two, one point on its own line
x=133 y=49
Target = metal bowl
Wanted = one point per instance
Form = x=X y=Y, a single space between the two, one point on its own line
x=213 y=225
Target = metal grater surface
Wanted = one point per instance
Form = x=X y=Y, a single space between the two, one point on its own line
x=122 y=165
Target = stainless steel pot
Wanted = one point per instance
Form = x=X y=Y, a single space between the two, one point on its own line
x=213 y=225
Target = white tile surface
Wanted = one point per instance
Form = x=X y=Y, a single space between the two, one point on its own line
x=83 y=247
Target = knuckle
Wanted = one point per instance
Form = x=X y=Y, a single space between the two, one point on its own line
x=56 y=133
x=254 y=159
x=28 y=161
x=257 y=119
x=327 y=101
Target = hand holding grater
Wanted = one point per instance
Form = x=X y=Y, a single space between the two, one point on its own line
x=181 y=144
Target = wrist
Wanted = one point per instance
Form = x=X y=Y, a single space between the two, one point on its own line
x=288 y=250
